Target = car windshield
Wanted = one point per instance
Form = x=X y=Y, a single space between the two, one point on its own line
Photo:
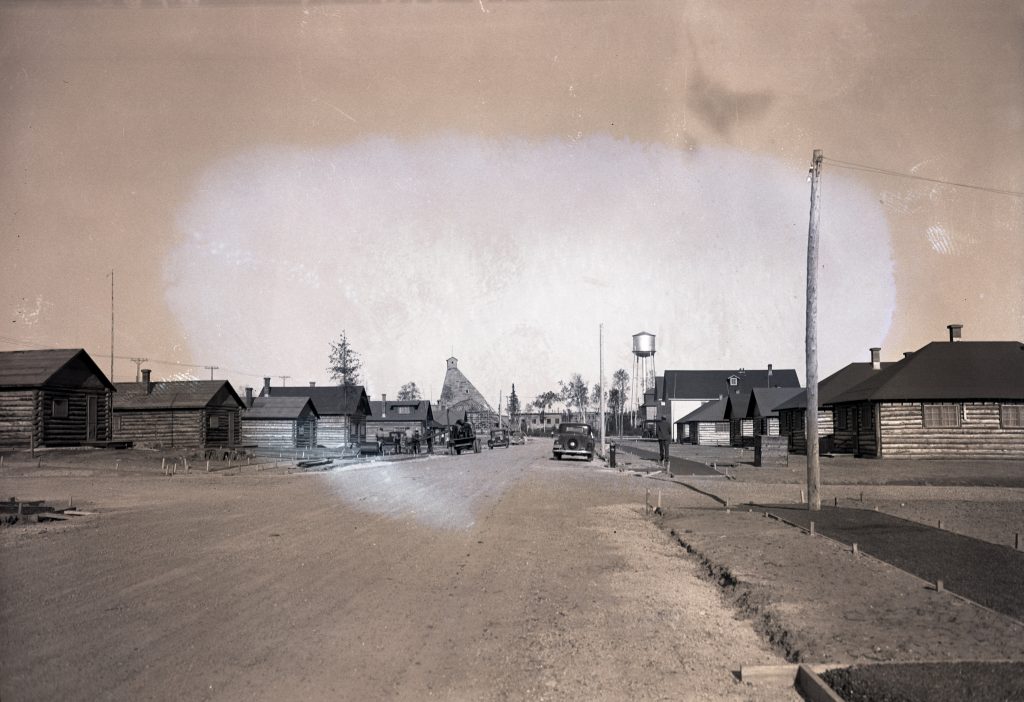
x=575 y=429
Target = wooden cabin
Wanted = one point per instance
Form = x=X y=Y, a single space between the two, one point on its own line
x=793 y=412
x=342 y=410
x=684 y=391
x=178 y=413
x=400 y=415
x=955 y=399
x=706 y=425
x=741 y=428
x=53 y=397
x=280 y=422
x=762 y=408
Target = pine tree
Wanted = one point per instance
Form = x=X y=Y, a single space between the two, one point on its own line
x=344 y=362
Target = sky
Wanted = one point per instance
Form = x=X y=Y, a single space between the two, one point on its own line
x=496 y=180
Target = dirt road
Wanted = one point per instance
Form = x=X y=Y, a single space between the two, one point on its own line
x=503 y=575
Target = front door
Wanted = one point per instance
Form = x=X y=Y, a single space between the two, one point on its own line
x=90 y=418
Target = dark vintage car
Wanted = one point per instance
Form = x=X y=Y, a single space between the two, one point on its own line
x=499 y=437
x=574 y=439
x=461 y=437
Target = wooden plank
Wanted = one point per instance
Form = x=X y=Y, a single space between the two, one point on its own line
x=813 y=687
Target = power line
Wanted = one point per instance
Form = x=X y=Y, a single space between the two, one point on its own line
x=897 y=174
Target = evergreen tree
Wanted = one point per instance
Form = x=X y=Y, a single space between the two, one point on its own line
x=344 y=362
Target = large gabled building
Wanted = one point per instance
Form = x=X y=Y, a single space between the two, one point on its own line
x=950 y=399
x=460 y=397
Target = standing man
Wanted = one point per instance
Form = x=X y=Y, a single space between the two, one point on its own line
x=664 y=432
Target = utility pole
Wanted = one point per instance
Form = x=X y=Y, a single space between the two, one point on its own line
x=811 y=340
x=111 y=325
x=138 y=365
x=600 y=363
x=499 y=407
x=211 y=369
x=284 y=379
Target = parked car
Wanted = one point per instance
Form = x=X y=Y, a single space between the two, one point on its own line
x=499 y=437
x=574 y=439
x=518 y=438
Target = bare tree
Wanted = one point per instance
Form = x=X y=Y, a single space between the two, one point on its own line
x=620 y=385
x=344 y=362
x=575 y=393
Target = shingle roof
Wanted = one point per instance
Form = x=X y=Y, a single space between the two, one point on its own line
x=709 y=384
x=764 y=400
x=943 y=370
x=280 y=408
x=834 y=385
x=713 y=411
x=174 y=394
x=737 y=405
x=34 y=368
x=330 y=400
x=419 y=411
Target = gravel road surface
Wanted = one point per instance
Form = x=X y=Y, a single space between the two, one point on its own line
x=501 y=575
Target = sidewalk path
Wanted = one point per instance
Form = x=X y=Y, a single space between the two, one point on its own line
x=677 y=465
x=989 y=574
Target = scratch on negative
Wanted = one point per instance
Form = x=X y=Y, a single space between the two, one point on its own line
x=336 y=109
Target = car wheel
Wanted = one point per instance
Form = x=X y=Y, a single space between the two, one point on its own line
x=458 y=452
x=558 y=456
x=590 y=457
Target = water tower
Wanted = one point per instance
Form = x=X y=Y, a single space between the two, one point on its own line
x=643 y=367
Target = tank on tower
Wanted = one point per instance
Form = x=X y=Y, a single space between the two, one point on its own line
x=643 y=344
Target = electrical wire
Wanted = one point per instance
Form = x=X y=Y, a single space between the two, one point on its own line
x=896 y=174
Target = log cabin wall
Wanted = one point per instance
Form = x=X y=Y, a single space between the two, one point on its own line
x=271 y=433
x=160 y=428
x=791 y=423
x=711 y=433
x=844 y=436
x=17 y=415
x=222 y=426
x=81 y=416
x=333 y=431
x=867 y=437
x=741 y=432
x=305 y=432
x=981 y=433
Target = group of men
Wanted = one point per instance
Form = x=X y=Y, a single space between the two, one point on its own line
x=408 y=441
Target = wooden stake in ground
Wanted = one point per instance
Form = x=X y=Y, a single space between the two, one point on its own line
x=811 y=340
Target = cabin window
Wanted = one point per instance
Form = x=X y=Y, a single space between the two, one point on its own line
x=733 y=380
x=214 y=422
x=405 y=410
x=1012 y=416
x=60 y=408
x=722 y=427
x=119 y=423
x=939 y=416
x=842 y=419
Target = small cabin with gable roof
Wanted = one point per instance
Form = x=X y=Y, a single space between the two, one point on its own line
x=53 y=397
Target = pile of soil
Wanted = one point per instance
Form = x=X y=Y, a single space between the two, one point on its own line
x=928 y=682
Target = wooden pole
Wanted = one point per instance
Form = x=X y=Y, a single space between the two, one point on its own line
x=600 y=363
x=811 y=340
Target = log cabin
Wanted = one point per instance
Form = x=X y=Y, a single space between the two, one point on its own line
x=279 y=422
x=342 y=410
x=955 y=399
x=706 y=425
x=202 y=414
x=399 y=415
x=741 y=428
x=53 y=397
x=683 y=391
x=793 y=412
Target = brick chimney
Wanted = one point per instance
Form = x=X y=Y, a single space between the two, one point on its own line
x=145 y=380
x=769 y=375
x=383 y=405
x=876 y=357
x=312 y=383
x=908 y=354
x=266 y=386
x=248 y=397
x=954 y=331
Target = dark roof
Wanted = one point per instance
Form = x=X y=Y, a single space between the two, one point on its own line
x=330 y=400
x=31 y=369
x=764 y=400
x=713 y=411
x=709 y=384
x=420 y=411
x=834 y=385
x=737 y=405
x=280 y=408
x=944 y=370
x=176 y=394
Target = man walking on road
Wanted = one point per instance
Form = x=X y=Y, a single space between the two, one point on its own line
x=663 y=433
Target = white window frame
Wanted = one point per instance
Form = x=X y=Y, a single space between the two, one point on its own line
x=1012 y=419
